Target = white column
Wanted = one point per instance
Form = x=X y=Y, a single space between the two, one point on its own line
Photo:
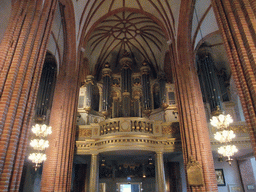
x=160 y=174
x=94 y=174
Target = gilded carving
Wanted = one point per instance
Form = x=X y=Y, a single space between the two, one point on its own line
x=239 y=129
x=116 y=82
x=235 y=128
x=157 y=129
x=170 y=129
x=125 y=126
x=95 y=131
x=85 y=132
x=136 y=81
x=194 y=172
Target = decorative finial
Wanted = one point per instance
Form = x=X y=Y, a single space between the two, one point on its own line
x=107 y=65
x=144 y=63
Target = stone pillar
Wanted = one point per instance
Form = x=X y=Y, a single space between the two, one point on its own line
x=94 y=173
x=160 y=174
x=236 y=20
x=22 y=54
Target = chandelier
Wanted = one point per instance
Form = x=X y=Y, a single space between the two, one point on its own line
x=39 y=143
x=227 y=150
x=221 y=121
x=41 y=130
x=224 y=135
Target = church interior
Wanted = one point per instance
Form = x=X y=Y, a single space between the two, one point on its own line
x=128 y=96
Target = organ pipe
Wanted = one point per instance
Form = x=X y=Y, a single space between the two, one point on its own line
x=106 y=76
x=162 y=92
x=126 y=89
x=211 y=83
x=89 y=92
x=146 y=88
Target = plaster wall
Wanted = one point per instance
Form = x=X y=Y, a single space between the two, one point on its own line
x=56 y=41
x=231 y=174
x=5 y=12
x=253 y=162
x=247 y=175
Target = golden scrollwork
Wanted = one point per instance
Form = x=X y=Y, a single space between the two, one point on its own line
x=239 y=129
x=95 y=131
x=171 y=129
x=125 y=126
x=236 y=128
x=157 y=129
x=85 y=132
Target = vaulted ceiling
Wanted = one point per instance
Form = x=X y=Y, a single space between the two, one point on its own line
x=134 y=32
x=143 y=28
x=151 y=25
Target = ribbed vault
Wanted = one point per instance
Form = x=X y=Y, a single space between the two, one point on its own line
x=130 y=31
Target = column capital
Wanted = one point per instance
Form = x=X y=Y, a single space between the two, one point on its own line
x=159 y=152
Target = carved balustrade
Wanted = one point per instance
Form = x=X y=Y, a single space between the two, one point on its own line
x=128 y=133
x=126 y=125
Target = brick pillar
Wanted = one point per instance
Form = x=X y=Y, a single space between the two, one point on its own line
x=57 y=170
x=237 y=23
x=253 y=5
x=193 y=126
x=22 y=53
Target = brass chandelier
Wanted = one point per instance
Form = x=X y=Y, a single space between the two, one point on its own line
x=39 y=143
x=224 y=135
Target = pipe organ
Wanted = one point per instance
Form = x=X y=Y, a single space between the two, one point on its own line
x=128 y=93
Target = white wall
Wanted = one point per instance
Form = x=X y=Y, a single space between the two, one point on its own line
x=231 y=174
x=253 y=162
x=5 y=12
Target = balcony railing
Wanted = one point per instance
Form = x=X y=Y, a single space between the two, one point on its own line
x=131 y=124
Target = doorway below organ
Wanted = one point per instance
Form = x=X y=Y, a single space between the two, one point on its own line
x=129 y=171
